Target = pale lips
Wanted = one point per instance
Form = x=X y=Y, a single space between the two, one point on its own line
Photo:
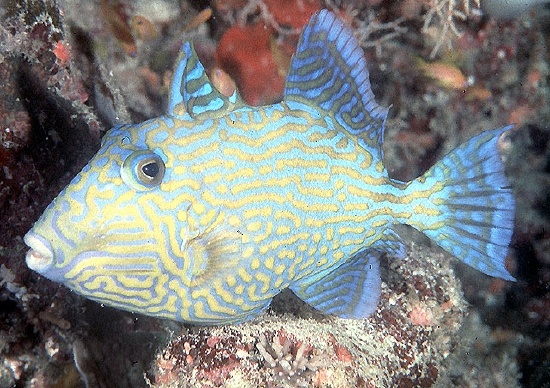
x=40 y=257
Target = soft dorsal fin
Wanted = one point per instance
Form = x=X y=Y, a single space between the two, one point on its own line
x=191 y=92
x=329 y=71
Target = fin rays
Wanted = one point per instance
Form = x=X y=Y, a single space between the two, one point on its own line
x=349 y=291
x=192 y=93
x=329 y=71
x=475 y=209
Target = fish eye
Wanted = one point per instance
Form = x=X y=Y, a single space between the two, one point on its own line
x=151 y=169
x=143 y=170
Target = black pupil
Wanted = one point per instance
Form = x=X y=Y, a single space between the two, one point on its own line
x=150 y=169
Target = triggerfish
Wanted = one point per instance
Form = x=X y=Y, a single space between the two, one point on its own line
x=204 y=214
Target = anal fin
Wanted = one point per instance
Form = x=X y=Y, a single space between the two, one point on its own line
x=350 y=291
x=390 y=243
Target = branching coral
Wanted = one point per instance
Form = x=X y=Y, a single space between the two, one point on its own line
x=292 y=361
x=372 y=31
x=445 y=13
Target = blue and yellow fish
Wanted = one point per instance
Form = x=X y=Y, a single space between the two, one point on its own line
x=205 y=214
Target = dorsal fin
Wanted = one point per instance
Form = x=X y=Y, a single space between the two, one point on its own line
x=329 y=71
x=191 y=92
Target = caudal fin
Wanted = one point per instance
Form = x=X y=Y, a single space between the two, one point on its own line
x=468 y=207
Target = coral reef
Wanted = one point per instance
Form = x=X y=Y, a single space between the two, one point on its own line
x=40 y=89
x=484 y=357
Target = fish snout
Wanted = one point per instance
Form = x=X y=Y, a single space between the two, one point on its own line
x=40 y=257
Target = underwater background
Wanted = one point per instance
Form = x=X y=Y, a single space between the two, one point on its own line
x=70 y=70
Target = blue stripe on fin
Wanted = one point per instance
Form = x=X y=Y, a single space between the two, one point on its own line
x=329 y=71
x=472 y=216
x=390 y=243
x=192 y=93
x=350 y=291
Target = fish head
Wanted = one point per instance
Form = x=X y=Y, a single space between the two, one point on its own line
x=104 y=234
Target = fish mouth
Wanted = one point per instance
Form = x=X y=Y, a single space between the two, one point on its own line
x=40 y=257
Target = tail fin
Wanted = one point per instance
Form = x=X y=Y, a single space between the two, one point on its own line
x=467 y=206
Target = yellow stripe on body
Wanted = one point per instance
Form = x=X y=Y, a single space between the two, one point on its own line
x=288 y=215
x=392 y=198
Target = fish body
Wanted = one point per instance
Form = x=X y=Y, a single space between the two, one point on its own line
x=205 y=214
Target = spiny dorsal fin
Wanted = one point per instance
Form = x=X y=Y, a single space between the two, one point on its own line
x=329 y=71
x=191 y=92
